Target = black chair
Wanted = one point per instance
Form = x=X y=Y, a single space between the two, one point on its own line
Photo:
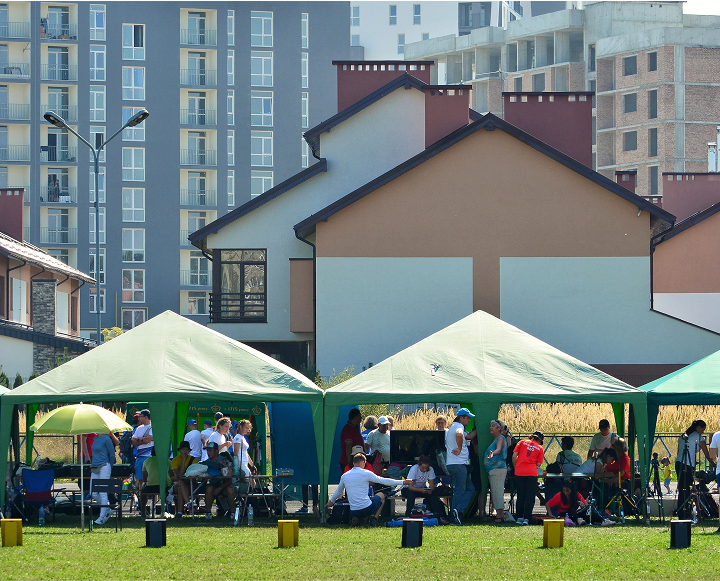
x=109 y=486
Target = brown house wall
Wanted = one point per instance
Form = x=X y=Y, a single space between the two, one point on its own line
x=486 y=197
x=301 y=296
x=691 y=194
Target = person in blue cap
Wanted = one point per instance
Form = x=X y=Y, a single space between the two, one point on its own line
x=458 y=460
x=193 y=437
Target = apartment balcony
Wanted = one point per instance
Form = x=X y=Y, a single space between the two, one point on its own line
x=59 y=31
x=54 y=153
x=15 y=112
x=198 y=117
x=207 y=37
x=67 y=236
x=15 y=30
x=58 y=72
x=184 y=237
x=196 y=278
x=26 y=194
x=15 y=70
x=198 y=197
x=15 y=153
x=238 y=308
x=198 y=78
x=198 y=157
x=58 y=195
x=70 y=114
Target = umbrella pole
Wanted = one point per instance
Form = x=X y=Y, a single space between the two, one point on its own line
x=82 y=488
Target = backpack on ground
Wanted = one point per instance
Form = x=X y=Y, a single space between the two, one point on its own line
x=340 y=514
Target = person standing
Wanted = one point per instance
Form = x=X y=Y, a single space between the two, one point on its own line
x=496 y=465
x=193 y=437
x=220 y=435
x=527 y=458
x=241 y=448
x=103 y=458
x=379 y=440
x=370 y=424
x=143 y=439
x=714 y=447
x=205 y=436
x=458 y=459
x=350 y=436
x=689 y=444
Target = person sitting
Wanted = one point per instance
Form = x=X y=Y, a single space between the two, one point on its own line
x=603 y=439
x=379 y=440
x=356 y=483
x=177 y=470
x=152 y=480
x=569 y=460
x=423 y=486
x=621 y=465
x=220 y=483
x=566 y=503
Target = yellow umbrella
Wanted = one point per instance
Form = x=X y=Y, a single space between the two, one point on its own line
x=78 y=419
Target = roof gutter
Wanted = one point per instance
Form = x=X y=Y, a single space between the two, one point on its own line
x=7 y=286
x=314 y=259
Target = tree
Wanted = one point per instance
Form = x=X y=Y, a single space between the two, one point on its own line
x=59 y=360
x=4 y=380
x=18 y=381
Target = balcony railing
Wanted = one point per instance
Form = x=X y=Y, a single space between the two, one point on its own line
x=198 y=117
x=207 y=37
x=58 y=72
x=238 y=308
x=15 y=30
x=15 y=112
x=198 y=197
x=59 y=195
x=26 y=194
x=55 y=153
x=69 y=113
x=15 y=153
x=198 y=78
x=195 y=278
x=68 y=236
x=198 y=157
x=184 y=237
x=59 y=31
x=15 y=70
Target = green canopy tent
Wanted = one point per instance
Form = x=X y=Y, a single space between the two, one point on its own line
x=483 y=362
x=167 y=361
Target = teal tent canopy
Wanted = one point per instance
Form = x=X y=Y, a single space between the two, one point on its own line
x=484 y=362
x=167 y=362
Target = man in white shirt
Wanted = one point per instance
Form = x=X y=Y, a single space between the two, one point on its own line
x=205 y=437
x=714 y=447
x=379 y=440
x=458 y=459
x=143 y=439
x=603 y=439
x=356 y=483
x=195 y=439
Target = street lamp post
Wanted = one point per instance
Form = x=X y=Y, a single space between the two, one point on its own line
x=55 y=119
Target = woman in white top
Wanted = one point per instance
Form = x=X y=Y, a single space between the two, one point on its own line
x=220 y=435
x=241 y=447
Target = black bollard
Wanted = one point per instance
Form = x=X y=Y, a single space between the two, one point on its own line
x=680 y=534
x=412 y=532
x=155 y=532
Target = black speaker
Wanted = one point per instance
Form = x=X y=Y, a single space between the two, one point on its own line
x=680 y=534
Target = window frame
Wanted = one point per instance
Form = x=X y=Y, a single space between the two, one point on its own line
x=91 y=300
x=626 y=135
x=260 y=40
x=264 y=176
x=136 y=246
x=262 y=57
x=304 y=70
x=133 y=92
x=401 y=43
x=231 y=27
x=629 y=102
x=652 y=104
x=417 y=14
x=102 y=226
x=304 y=154
x=137 y=171
x=231 y=187
x=652 y=61
x=231 y=147
x=101 y=185
x=132 y=290
x=94 y=93
x=103 y=264
x=138 y=213
x=392 y=14
x=231 y=107
x=304 y=30
x=265 y=141
x=136 y=133
x=626 y=61
x=134 y=312
x=97 y=32
x=231 y=67
x=354 y=40
x=131 y=52
x=97 y=72
x=304 y=110
x=354 y=15
x=653 y=142
x=217 y=313
x=262 y=97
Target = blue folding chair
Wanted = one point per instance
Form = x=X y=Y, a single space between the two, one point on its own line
x=37 y=488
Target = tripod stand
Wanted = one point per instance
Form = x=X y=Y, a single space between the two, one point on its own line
x=621 y=497
x=653 y=491
x=689 y=493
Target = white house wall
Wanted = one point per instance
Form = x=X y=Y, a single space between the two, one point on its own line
x=16 y=356
x=702 y=309
x=370 y=308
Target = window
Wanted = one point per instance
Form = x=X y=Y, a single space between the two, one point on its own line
x=653 y=142
x=131 y=318
x=231 y=67
x=231 y=107
x=518 y=84
x=93 y=305
x=231 y=147
x=133 y=286
x=630 y=66
x=354 y=40
x=58 y=180
x=304 y=70
x=133 y=160
x=61 y=254
x=196 y=220
x=101 y=185
x=591 y=58
x=133 y=245
x=92 y=270
x=231 y=187
x=261 y=148
x=133 y=204
x=199 y=269
x=97 y=62
x=426 y=36
x=652 y=61
x=305 y=160
x=630 y=103
x=133 y=83
x=652 y=104
x=539 y=82
x=401 y=44
x=243 y=282
x=354 y=15
x=261 y=69
x=304 y=30
x=304 y=123
x=136 y=133
x=261 y=108
x=393 y=15
x=197 y=303
x=101 y=226
x=97 y=137
x=97 y=22
x=630 y=141
x=260 y=182
x=231 y=27
x=653 y=179
x=261 y=29
x=416 y=14
x=97 y=103
x=133 y=42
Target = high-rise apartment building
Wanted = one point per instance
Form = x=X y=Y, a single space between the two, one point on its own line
x=654 y=72
x=230 y=87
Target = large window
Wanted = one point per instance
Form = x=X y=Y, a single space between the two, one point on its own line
x=136 y=133
x=101 y=226
x=133 y=42
x=230 y=67
x=231 y=147
x=97 y=22
x=133 y=160
x=261 y=29
x=630 y=66
x=231 y=107
x=198 y=303
x=97 y=62
x=101 y=185
x=354 y=15
x=652 y=61
x=133 y=83
x=231 y=27
x=231 y=187
x=93 y=302
x=630 y=141
x=133 y=245
x=199 y=274
x=133 y=286
x=260 y=182
x=261 y=69
x=304 y=70
x=261 y=108
x=131 y=318
x=304 y=120
x=416 y=14
x=242 y=293
x=630 y=103
x=304 y=29
x=393 y=14
x=92 y=270
x=133 y=204
x=261 y=148
x=97 y=103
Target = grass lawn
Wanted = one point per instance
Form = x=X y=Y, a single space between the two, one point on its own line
x=216 y=551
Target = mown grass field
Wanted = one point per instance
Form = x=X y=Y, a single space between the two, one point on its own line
x=217 y=551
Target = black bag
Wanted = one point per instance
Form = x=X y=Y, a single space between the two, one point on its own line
x=340 y=514
x=126 y=446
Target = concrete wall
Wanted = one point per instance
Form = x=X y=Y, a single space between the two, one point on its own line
x=701 y=309
x=16 y=356
x=371 y=308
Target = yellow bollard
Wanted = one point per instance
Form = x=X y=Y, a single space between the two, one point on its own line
x=553 y=533
x=288 y=533
x=11 y=532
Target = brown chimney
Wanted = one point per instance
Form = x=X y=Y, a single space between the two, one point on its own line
x=447 y=108
x=357 y=79
x=627 y=179
x=12 y=205
x=562 y=120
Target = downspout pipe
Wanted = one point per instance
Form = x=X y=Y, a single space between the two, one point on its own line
x=7 y=285
x=314 y=259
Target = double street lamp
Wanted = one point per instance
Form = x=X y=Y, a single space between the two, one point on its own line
x=55 y=119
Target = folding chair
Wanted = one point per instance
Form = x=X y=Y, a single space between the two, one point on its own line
x=108 y=486
x=37 y=487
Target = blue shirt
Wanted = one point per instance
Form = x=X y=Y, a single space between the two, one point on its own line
x=499 y=461
x=103 y=450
